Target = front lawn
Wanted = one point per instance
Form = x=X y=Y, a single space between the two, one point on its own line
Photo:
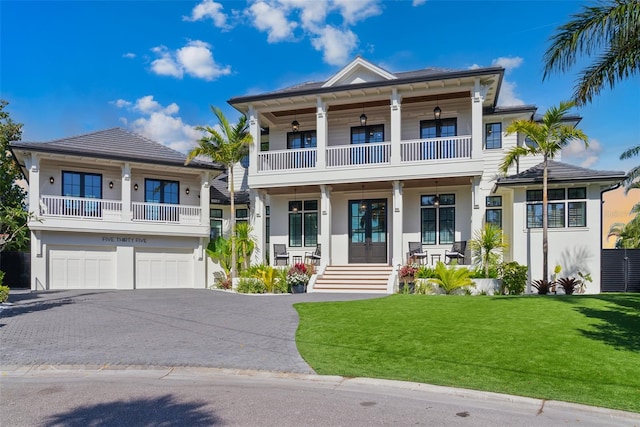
x=583 y=348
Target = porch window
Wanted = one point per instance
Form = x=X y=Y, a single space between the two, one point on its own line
x=303 y=223
x=494 y=211
x=438 y=222
x=80 y=184
x=566 y=207
x=215 y=218
x=302 y=139
x=242 y=215
x=493 y=135
x=161 y=191
x=267 y=225
x=438 y=128
x=367 y=135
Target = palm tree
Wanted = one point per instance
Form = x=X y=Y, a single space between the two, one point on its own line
x=608 y=31
x=487 y=246
x=547 y=137
x=627 y=235
x=632 y=180
x=245 y=243
x=227 y=147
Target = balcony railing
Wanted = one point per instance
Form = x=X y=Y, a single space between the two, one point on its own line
x=162 y=212
x=100 y=209
x=79 y=207
x=418 y=150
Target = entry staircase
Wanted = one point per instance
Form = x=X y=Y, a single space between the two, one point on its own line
x=354 y=278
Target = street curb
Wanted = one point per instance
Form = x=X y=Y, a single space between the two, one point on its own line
x=195 y=373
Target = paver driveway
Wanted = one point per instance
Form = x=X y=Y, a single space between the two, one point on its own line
x=155 y=327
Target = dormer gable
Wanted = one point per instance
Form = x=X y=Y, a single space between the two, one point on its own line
x=359 y=71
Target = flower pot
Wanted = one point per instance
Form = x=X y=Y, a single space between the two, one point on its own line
x=298 y=288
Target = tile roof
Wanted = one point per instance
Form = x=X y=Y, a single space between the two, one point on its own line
x=118 y=144
x=219 y=193
x=560 y=172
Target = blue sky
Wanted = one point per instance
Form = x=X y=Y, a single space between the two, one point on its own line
x=155 y=66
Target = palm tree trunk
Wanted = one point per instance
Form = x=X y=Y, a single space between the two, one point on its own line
x=545 y=223
x=233 y=224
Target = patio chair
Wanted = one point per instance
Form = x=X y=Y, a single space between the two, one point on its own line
x=416 y=253
x=280 y=254
x=456 y=252
x=313 y=257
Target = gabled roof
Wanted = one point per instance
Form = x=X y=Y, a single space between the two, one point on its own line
x=559 y=172
x=115 y=144
x=219 y=192
x=359 y=71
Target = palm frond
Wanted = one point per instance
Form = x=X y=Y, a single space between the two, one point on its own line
x=631 y=152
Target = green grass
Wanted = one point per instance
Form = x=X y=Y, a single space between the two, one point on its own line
x=583 y=348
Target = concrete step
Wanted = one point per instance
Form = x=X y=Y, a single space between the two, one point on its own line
x=355 y=278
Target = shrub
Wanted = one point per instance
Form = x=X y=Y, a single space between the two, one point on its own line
x=569 y=284
x=425 y=272
x=451 y=278
x=479 y=273
x=486 y=247
x=4 y=290
x=423 y=288
x=514 y=278
x=251 y=286
x=543 y=286
x=407 y=272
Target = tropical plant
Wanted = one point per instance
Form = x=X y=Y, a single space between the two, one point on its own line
x=425 y=272
x=219 y=250
x=487 y=246
x=4 y=290
x=226 y=146
x=607 y=33
x=632 y=181
x=543 y=286
x=251 y=285
x=514 y=278
x=627 y=235
x=547 y=137
x=298 y=274
x=451 y=278
x=407 y=272
x=569 y=284
x=245 y=244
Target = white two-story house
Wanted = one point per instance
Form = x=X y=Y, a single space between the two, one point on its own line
x=114 y=210
x=368 y=161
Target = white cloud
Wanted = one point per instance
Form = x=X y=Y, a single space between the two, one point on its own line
x=335 y=44
x=354 y=11
x=129 y=55
x=159 y=123
x=195 y=59
x=508 y=63
x=508 y=94
x=272 y=20
x=474 y=67
x=575 y=152
x=208 y=9
x=415 y=3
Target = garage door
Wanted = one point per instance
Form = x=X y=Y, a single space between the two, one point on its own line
x=82 y=268
x=158 y=269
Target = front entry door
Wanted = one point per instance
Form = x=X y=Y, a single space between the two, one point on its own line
x=368 y=231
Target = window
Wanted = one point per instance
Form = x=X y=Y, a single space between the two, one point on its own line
x=267 y=222
x=80 y=184
x=303 y=223
x=242 y=215
x=493 y=135
x=566 y=207
x=367 y=135
x=494 y=214
x=302 y=139
x=264 y=139
x=438 y=222
x=438 y=128
x=160 y=191
x=215 y=216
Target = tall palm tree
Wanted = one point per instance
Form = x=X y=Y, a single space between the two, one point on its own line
x=608 y=31
x=548 y=137
x=226 y=146
x=487 y=246
x=632 y=180
x=627 y=235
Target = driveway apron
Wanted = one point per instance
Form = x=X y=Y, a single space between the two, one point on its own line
x=155 y=328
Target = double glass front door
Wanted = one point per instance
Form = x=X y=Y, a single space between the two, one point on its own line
x=368 y=231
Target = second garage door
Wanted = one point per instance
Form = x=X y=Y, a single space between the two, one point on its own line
x=76 y=268
x=160 y=269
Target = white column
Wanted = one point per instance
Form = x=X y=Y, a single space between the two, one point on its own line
x=322 y=134
x=325 y=225
x=476 y=120
x=205 y=199
x=254 y=149
x=32 y=163
x=398 y=237
x=477 y=202
x=126 y=192
x=258 y=226
x=396 y=127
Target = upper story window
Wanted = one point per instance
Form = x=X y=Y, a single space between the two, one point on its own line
x=438 y=221
x=566 y=207
x=301 y=139
x=81 y=184
x=493 y=135
x=367 y=134
x=438 y=128
x=161 y=191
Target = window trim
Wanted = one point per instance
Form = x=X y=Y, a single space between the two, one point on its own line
x=302 y=133
x=302 y=213
x=532 y=200
x=487 y=128
x=437 y=218
x=82 y=175
x=438 y=125
x=163 y=183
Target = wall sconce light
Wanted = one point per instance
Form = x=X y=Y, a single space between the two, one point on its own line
x=295 y=126
x=135 y=187
x=51 y=180
x=110 y=184
x=187 y=191
x=363 y=117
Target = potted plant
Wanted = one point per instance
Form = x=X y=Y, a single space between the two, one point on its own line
x=298 y=277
